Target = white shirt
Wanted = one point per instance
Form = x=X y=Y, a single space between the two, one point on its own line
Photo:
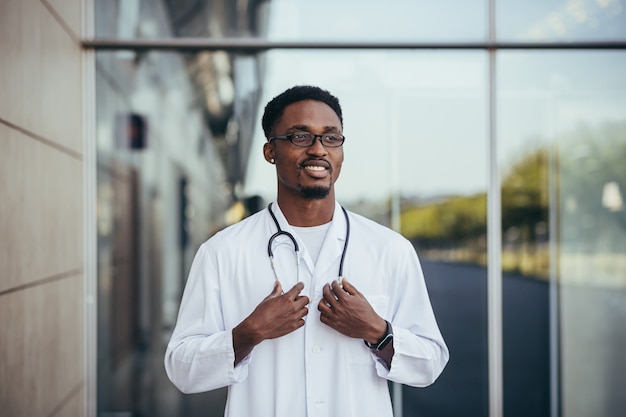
x=313 y=238
x=313 y=371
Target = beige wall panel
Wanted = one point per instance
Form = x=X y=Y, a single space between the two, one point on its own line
x=41 y=73
x=75 y=406
x=41 y=339
x=41 y=210
x=70 y=11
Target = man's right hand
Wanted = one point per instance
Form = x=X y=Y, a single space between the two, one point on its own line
x=277 y=315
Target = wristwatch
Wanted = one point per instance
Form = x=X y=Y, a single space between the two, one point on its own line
x=380 y=345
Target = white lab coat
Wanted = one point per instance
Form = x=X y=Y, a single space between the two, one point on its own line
x=314 y=371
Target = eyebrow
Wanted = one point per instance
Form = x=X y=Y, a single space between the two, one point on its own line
x=306 y=128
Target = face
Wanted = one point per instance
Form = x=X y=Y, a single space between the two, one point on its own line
x=306 y=172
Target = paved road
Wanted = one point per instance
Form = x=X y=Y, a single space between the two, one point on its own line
x=459 y=297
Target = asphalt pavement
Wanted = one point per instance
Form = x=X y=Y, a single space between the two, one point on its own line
x=458 y=294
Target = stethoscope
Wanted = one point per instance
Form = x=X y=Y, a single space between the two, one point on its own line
x=281 y=232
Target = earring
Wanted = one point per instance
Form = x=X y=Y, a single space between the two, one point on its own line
x=272 y=161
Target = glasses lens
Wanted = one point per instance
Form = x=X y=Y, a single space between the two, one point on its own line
x=302 y=139
x=332 y=141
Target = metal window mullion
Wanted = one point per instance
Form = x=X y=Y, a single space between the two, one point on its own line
x=494 y=241
x=553 y=244
x=394 y=149
x=90 y=234
x=494 y=253
x=256 y=45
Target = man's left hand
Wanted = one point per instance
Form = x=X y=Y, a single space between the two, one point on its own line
x=348 y=311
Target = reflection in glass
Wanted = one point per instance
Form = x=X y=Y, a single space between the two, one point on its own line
x=295 y=20
x=415 y=160
x=561 y=20
x=395 y=20
x=173 y=136
x=563 y=143
x=142 y=19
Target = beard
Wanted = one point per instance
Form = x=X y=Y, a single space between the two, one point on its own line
x=315 y=193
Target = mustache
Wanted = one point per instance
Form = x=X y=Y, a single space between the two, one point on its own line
x=314 y=159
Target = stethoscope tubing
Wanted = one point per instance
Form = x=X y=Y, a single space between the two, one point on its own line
x=281 y=232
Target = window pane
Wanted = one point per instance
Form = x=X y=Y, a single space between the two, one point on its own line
x=561 y=20
x=415 y=160
x=164 y=186
x=563 y=142
x=442 y=176
x=295 y=20
x=368 y=20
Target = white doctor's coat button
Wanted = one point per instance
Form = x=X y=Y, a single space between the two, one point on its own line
x=317 y=349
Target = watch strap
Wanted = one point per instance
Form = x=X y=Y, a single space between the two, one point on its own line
x=384 y=341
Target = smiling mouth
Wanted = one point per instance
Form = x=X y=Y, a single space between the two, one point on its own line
x=315 y=168
x=315 y=165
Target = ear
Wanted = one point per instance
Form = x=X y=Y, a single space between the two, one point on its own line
x=268 y=152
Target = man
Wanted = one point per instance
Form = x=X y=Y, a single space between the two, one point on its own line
x=282 y=331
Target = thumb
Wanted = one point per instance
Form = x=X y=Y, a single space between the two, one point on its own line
x=276 y=291
x=295 y=290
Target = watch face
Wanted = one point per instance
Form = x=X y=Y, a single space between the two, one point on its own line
x=385 y=342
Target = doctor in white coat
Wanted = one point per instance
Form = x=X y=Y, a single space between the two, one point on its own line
x=340 y=310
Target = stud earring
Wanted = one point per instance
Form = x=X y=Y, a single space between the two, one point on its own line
x=272 y=161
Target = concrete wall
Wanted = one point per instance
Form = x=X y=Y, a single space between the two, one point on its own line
x=41 y=217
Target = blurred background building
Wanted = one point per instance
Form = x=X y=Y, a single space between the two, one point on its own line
x=491 y=133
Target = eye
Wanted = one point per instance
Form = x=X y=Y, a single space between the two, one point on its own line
x=301 y=135
x=332 y=138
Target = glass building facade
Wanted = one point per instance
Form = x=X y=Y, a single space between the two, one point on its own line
x=492 y=134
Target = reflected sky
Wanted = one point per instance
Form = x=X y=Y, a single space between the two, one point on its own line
x=446 y=20
x=545 y=95
x=373 y=20
x=553 y=20
x=416 y=122
x=407 y=115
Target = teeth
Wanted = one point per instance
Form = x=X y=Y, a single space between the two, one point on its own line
x=314 y=168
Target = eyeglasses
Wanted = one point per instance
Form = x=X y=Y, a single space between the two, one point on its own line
x=329 y=140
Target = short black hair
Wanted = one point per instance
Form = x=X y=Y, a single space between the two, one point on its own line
x=275 y=108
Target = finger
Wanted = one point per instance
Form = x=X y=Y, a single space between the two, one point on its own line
x=300 y=323
x=302 y=300
x=325 y=319
x=325 y=311
x=328 y=296
x=349 y=288
x=339 y=292
x=323 y=306
x=295 y=290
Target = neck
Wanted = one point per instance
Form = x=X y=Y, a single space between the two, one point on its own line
x=307 y=212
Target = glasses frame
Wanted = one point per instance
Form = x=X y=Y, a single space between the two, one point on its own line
x=290 y=136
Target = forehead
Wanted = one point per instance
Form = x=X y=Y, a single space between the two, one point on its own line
x=310 y=113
